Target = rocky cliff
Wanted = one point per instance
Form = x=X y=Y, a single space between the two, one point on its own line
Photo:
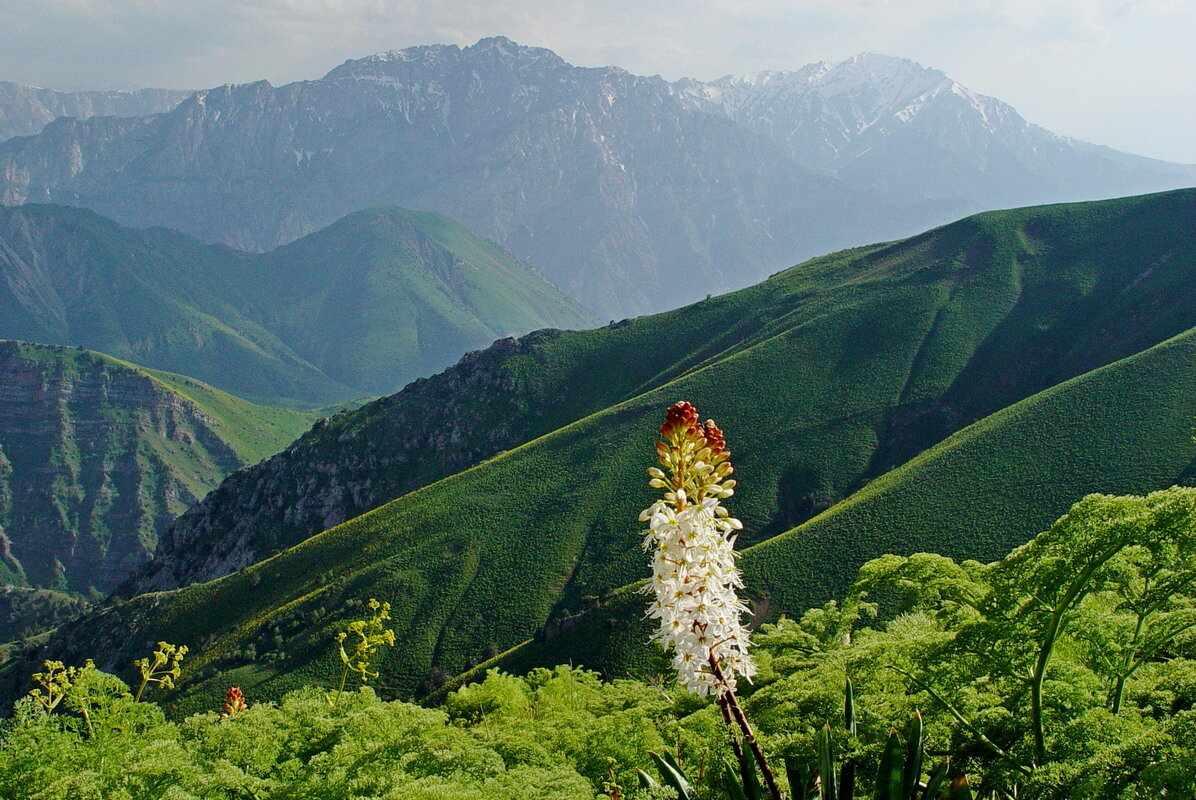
x=98 y=456
x=25 y=110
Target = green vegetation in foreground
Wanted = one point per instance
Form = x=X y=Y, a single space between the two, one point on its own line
x=1066 y=670
x=130 y=449
x=375 y=300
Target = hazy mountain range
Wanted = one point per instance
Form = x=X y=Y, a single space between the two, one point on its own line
x=908 y=133
x=25 y=110
x=629 y=193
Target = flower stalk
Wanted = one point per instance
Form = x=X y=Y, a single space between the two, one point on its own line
x=691 y=536
x=368 y=636
x=234 y=703
x=162 y=668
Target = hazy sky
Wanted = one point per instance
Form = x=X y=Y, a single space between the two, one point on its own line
x=1117 y=72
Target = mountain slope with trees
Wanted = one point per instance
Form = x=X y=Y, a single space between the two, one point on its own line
x=826 y=377
x=97 y=456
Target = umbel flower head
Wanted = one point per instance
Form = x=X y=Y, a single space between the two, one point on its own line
x=692 y=540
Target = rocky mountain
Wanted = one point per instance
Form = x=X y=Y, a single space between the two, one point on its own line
x=898 y=129
x=980 y=377
x=377 y=299
x=25 y=110
x=630 y=193
x=97 y=456
x=619 y=189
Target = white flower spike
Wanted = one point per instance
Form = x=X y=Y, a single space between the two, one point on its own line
x=692 y=540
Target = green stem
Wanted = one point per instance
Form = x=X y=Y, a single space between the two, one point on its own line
x=340 y=689
x=1119 y=686
x=1047 y=648
x=959 y=717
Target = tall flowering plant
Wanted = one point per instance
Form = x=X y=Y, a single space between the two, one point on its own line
x=691 y=537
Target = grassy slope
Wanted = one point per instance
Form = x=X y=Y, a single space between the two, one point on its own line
x=152 y=296
x=253 y=431
x=820 y=376
x=386 y=295
x=364 y=306
x=131 y=448
x=1020 y=300
x=1125 y=428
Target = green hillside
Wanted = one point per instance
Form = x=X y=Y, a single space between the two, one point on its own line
x=362 y=307
x=152 y=296
x=387 y=295
x=1123 y=428
x=910 y=341
x=98 y=455
x=824 y=377
x=25 y=612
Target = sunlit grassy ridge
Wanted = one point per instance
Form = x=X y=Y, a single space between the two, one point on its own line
x=823 y=377
x=974 y=495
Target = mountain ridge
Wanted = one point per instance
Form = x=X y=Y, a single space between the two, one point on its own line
x=831 y=374
x=857 y=118
x=333 y=316
x=623 y=194
x=25 y=110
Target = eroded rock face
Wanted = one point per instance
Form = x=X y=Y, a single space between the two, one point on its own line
x=353 y=463
x=25 y=110
x=96 y=459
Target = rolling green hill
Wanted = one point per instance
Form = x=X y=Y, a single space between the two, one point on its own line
x=152 y=296
x=362 y=307
x=1056 y=341
x=387 y=295
x=1123 y=428
x=98 y=455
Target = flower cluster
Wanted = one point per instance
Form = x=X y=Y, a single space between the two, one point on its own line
x=234 y=703
x=163 y=668
x=692 y=539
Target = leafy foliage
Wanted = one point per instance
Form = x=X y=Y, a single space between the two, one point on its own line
x=542 y=737
x=946 y=652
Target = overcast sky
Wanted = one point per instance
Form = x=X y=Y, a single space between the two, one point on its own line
x=1117 y=72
